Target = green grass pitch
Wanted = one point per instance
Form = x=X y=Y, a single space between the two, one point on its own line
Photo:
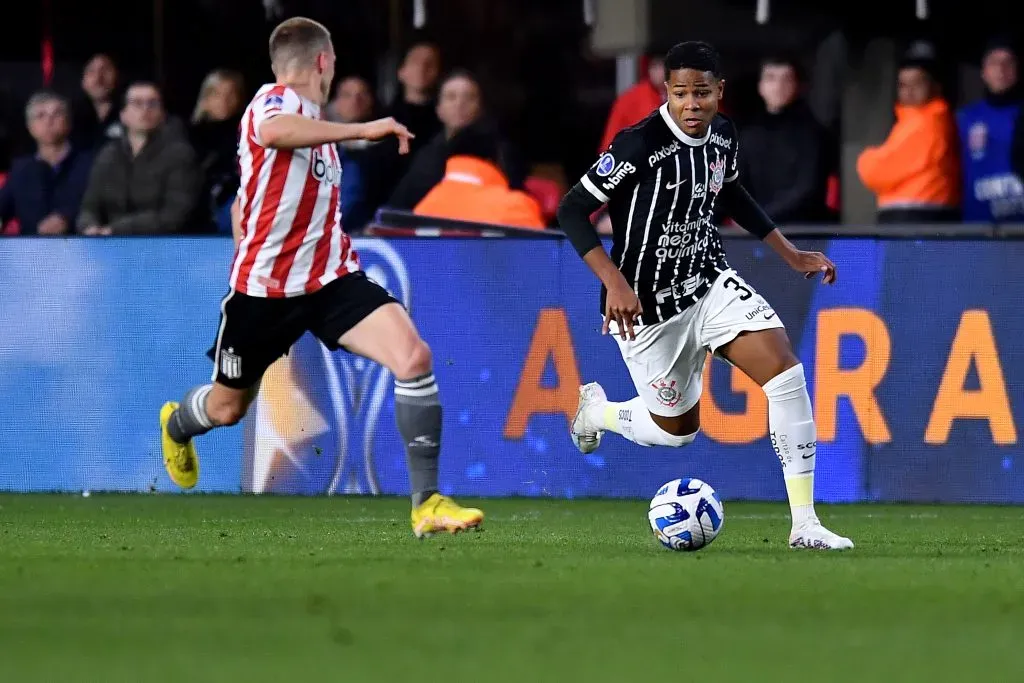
x=194 y=588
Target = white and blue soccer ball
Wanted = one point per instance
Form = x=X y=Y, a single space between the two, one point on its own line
x=686 y=514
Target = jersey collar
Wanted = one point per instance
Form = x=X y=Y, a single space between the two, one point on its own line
x=678 y=132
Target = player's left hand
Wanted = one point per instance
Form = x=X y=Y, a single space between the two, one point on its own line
x=381 y=128
x=810 y=263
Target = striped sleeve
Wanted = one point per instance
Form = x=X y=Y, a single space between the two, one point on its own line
x=276 y=100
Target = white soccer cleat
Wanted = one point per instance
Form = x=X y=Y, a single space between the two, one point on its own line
x=813 y=536
x=586 y=436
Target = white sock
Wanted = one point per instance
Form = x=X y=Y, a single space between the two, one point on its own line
x=633 y=421
x=794 y=438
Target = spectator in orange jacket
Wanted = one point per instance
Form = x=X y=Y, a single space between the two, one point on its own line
x=474 y=188
x=635 y=104
x=915 y=173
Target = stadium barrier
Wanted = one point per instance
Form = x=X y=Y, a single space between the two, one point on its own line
x=914 y=360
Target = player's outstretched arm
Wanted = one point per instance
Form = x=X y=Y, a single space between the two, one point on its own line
x=745 y=210
x=810 y=263
x=294 y=131
x=622 y=304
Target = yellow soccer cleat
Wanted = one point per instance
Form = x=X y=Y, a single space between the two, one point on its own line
x=441 y=513
x=180 y=460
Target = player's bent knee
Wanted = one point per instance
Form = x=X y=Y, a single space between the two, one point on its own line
x=787 y=383
x=416 y=363
x=225 y=414
x=687 y=439
x=785 y=364
x=674 y=440
x=678 y=441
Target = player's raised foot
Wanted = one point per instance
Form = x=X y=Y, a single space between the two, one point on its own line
x=440 y=513
x=813 y=536
x=585 y=435
x=180 y=460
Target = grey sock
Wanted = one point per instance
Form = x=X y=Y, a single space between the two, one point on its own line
x=190 y=419
x=418 y=413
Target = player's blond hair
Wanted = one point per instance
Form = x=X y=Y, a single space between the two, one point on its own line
x=296 y=42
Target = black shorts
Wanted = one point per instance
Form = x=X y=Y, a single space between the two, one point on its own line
x=256 y=331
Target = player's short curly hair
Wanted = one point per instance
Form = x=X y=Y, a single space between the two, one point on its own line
x=694 y=55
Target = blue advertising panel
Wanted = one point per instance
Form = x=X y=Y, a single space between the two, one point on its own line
x=914 y=363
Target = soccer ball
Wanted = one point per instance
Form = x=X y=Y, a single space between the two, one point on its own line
x=686 y=514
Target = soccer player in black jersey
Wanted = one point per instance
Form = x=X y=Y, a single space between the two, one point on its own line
x=668 y=294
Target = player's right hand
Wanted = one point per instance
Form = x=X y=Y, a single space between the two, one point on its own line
x=381 y=128
x=622 y=306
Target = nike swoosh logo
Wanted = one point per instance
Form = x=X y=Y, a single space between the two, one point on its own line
x=807 y=456
x=672 y=186
x=769 y=317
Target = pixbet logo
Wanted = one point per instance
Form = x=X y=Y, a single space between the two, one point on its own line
x=662 y=153
x=717 y=139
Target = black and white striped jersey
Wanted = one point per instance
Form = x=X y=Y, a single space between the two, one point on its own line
x=660 y=185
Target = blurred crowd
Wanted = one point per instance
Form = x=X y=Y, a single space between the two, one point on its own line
x=937 y=165
x=110 y=160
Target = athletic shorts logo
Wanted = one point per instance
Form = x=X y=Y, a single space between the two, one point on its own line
x=605 y=165
x=230 y=364
x=763 y=308
x=668 y=395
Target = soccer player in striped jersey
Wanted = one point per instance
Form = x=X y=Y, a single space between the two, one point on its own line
x=668 y=294
x=295 y=271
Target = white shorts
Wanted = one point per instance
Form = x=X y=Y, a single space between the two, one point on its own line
x=666 y=360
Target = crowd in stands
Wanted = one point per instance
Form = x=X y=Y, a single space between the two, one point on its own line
x=937 y=165
x=110 y=160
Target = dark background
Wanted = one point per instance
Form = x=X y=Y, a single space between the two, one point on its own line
x=546 y=87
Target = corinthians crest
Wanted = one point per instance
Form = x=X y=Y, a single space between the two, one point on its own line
x=716 y=173
x=313 y=426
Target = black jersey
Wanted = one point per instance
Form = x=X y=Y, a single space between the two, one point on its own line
x=660 y=185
